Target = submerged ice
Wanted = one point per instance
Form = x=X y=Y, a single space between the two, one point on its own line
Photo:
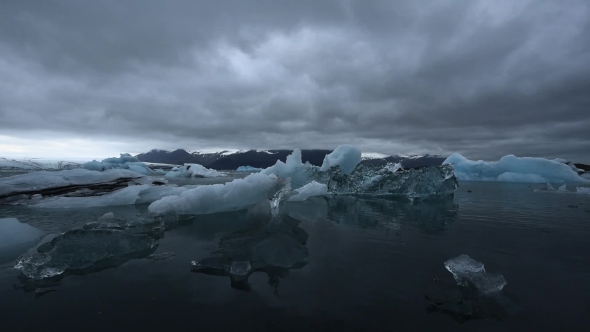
x=513 y=169
x=82 y=251
x=271 y=242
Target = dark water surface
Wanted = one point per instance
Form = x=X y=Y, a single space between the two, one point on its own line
x=370 y=264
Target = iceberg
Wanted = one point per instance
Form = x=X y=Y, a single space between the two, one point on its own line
x=345 y=156
x=62 y=182
x=194 y=171
x=248 y=169
x=471 y=273
x=16 y=238
x=309 y=190
x=309 y=180
x=84 y=251
x=513 y=169
x=236 y=195
x=583 y=190
x=125 y=161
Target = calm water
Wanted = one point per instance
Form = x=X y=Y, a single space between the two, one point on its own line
x=370 y=264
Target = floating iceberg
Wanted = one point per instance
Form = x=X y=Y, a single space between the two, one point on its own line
x=248 y=169
x=236 y=195
x=126 y=161
x=309 y=181
x=194 y=171
x=583 y=190
x=16 y=238
x=471 y=273
x=388 y=180
x=83 y=251
x=513 y=169
x=346 y=157
x=62 y=182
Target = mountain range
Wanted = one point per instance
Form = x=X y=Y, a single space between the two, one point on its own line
x=231 y=160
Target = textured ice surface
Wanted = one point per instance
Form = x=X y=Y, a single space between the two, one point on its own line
x=38 y=164
x=83 y=251
x=232 y=196
x=240 y=268
x=193 y=170
x=378 y=180
x=16 y=238
x=513 y=169
x=369 y=179
x=68 y=180
x=309 y=190
x=471 y=273
x=346 y=157
x=248 y=169
x=126 y=161
x=290 y=168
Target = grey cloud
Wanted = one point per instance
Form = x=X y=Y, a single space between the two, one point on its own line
x=481 y=78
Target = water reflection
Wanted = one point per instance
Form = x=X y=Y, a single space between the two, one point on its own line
x=270 y=245
x=431 y=217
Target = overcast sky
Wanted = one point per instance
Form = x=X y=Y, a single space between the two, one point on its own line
x=483 y=78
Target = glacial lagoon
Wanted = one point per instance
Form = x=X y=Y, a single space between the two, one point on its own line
x=336 y=262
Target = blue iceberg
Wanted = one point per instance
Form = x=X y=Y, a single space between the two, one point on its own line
x=513 y=169
x=125 y=161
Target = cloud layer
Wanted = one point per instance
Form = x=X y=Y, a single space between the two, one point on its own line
x=483 y=78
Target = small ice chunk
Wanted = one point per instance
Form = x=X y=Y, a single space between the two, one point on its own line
x=462 y=265
x=240 y=268
x=107 y=216
x=347 y=157
x=562 y=188
x=469 y=272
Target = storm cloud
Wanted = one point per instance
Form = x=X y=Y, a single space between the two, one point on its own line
x=483 y=78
